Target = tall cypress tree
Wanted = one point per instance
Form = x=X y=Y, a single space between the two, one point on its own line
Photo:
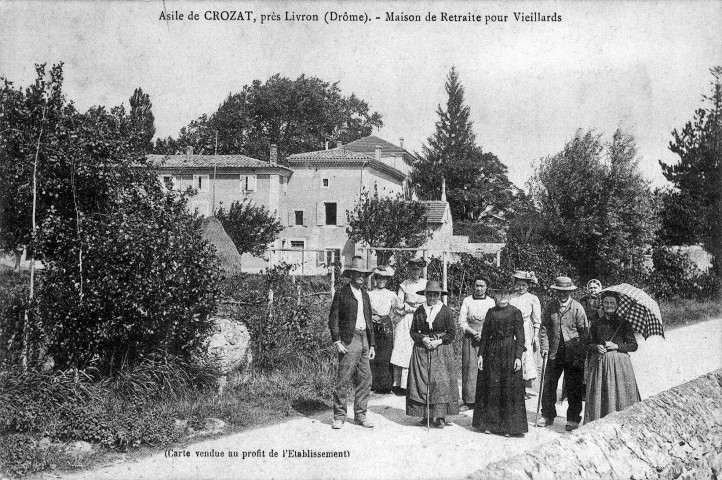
x=476 y=182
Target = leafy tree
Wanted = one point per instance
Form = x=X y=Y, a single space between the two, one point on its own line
x=387 y=222
x=597 y=209
x=298 y=115
x=126 y=272
x=697 y=177
x=477 y=182
x=250 y=226
x=142 y=119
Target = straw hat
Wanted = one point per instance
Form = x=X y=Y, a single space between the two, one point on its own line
x=357 y=265
x=564 y=284
x=432 y=286
x=526 y=276
x=383 y=271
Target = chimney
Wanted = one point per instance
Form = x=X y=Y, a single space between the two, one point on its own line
x=189 y=152
x=443 y=189
x=274 y=154
x=378 y=153
x=401 y=142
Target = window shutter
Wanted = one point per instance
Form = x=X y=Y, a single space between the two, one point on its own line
x=243 y=183
x=340 y=216
x=320 y=214
x=305 y=218
x=291 y=217
x=251 y=183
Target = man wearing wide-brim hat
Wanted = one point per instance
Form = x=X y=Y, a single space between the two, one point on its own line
x=352 y=333
x=564 y=329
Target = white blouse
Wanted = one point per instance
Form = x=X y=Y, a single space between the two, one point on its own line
x=382 y=301
x=529 y=306
x=473 y=309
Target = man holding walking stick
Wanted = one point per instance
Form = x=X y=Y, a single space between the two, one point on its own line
x=564 y=329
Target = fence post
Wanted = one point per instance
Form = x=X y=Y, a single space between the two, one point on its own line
x=444 y=274
x=498 y=258
x=333 y=279
x=425 y=256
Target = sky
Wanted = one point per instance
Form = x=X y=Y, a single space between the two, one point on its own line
x=530 y=85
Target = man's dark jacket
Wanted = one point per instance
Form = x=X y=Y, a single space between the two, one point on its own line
x=342 y=318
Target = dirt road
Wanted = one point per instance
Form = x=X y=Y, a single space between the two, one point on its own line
x=398 y=447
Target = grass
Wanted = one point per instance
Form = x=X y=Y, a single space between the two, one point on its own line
x=263 y=398
x=680 y=312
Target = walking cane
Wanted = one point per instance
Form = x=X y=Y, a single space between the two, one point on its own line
x=428 y=383
x=541 y=391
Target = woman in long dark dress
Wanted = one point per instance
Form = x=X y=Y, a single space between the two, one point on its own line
x=500 y=406
x=383 y=303
x=432 y=330
x=611 y=384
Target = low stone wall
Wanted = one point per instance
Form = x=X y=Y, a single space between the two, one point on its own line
x=676 y=434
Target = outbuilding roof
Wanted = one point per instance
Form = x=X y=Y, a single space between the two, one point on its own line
x=435 y=210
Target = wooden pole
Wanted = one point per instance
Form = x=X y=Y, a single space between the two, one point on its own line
x=333 y=278
x=498 y=258
x=444 y=274
x=425 y=256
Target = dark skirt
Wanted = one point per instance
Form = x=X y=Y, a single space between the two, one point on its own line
x=611 y=385
x=381 y=368
x=469 y=368
x=442 y=384
x=500 y=406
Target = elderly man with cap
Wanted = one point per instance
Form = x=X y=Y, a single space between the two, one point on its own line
x=564 y=329
x=350 y=322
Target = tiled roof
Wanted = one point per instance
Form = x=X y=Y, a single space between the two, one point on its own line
x=435 y=210
x=201 y=161
x=368 y=145
x=332 y=154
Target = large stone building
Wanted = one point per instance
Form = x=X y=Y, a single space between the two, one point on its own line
x=310 y=196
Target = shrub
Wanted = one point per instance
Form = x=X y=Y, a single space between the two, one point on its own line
x=479 y=232
x=675 y=275
x=13 y=304
x=148 y=281
x=291 y=327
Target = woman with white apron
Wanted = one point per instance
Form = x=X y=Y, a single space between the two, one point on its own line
x=408 y=302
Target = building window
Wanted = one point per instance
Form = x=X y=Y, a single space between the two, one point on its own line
x=168 y=182
x=201 y=208
x=330 y=213
x=325 y=182
x=300 y=244
x=333 y=255
x=200 y=183
x=298 y=217
x=248 y=183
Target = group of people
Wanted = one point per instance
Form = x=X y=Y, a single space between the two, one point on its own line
x=403 y=343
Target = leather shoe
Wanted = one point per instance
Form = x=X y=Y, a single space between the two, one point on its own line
x=337 y=423
x=365 y=423
x=572 y=426
x=545 y=422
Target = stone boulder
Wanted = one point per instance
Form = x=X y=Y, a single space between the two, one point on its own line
x=229 y=344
